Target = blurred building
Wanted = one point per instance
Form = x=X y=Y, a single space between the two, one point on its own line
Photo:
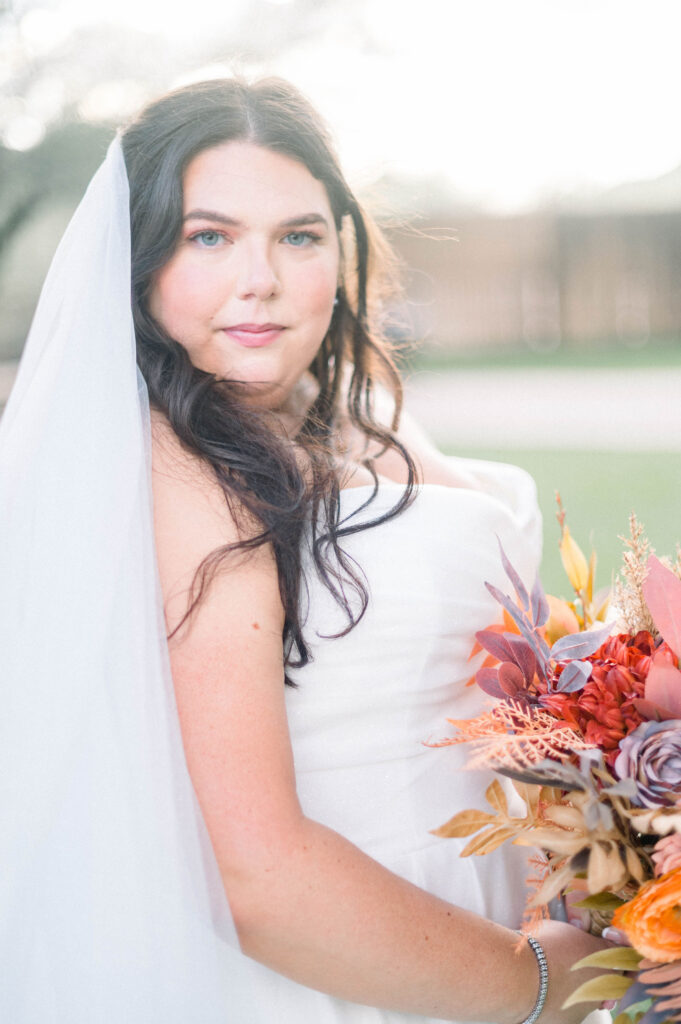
x=545 y=279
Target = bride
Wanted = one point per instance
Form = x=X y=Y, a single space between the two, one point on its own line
x=253 y=519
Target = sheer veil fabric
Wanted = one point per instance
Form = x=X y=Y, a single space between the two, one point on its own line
x=111 y=904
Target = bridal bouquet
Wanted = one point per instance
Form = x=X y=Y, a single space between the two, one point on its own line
x=587 y=726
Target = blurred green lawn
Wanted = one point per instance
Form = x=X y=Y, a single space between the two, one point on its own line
x=599 y=491
x=606 y=354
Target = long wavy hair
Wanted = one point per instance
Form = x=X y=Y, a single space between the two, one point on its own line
x=257 y=469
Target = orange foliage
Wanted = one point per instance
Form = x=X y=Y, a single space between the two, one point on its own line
x=511 y=735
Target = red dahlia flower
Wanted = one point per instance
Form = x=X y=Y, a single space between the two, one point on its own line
x=604 y=710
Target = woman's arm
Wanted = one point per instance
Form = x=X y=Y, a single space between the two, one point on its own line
x=306 y=902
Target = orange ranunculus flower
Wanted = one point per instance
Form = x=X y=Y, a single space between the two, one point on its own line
x=652 y=920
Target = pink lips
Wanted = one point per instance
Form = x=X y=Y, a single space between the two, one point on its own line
x=254 y=335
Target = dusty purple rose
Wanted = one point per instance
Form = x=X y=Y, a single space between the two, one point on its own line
x=651 y=757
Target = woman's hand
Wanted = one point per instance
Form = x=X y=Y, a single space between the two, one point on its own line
x=565 y=945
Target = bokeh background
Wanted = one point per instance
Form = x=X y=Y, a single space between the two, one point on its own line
x=525 y=159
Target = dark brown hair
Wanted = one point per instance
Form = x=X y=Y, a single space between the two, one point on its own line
x=256 y=468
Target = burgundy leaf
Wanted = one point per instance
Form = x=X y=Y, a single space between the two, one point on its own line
x=506 y=602
x=663 y=686
x=662 y=593
x=573 y=677
x=511 y=679
x=540 y=606
x=580 y=645
x=488 y=681
x=522 y=655
x=536 y=642
x=495 y=643
x=515 y=579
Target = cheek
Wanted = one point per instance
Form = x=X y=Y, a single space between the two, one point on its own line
x=318 y=289
x=179 y=293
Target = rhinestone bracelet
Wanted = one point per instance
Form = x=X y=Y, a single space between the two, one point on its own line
x=538 y=951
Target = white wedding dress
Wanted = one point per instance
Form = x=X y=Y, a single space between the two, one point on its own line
x=367 y=704
x=112 y=910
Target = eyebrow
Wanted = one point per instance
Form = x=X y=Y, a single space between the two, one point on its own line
x=304 y=220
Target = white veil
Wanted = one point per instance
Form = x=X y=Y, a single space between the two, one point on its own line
x=111 y=905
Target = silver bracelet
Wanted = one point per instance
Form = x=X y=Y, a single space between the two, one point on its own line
x=538 y=951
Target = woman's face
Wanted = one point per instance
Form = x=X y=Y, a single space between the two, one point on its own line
x=249 y=289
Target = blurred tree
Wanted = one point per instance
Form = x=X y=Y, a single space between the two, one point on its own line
x=63 y=84
x=59 y=167
x=64 y=87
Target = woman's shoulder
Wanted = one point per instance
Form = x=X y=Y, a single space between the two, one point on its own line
x=192 y=520
x=173 y=461
x=185 y=487
x=189 y=519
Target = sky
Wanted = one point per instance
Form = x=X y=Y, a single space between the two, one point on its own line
x=509 y=103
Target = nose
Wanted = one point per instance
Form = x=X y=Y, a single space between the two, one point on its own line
x=256 y=275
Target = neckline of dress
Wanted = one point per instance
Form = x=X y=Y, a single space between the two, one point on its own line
x=418 y=488
x=368 y=487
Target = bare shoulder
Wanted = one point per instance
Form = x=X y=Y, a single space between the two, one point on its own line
x=190 y=511
x=191 y=520
x=174 y=465
x=227 y=661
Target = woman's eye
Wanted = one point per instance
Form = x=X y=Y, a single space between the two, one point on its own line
x=300 y=238
x=208 y=238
